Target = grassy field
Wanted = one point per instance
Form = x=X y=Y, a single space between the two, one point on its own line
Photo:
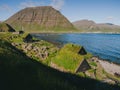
x=20 y=72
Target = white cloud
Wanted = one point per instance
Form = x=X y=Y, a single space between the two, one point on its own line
x=57 y=4
x=110 y=18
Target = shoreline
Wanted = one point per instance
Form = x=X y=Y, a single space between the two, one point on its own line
x=107 y=60
x=70 y=32
x=109 y=67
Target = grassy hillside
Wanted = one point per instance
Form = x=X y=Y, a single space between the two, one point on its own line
x=19 y=72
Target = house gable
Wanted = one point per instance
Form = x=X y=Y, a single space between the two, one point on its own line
x=82 y=51
x=84 y=66
x=28 y=38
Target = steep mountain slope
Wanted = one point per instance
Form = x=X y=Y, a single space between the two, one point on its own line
x=91 y=26
x=43 y=18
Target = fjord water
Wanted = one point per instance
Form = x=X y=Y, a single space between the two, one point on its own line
x=106 y=46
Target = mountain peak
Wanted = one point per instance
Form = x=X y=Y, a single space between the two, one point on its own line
x=39 y=18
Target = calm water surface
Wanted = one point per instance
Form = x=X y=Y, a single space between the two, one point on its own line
x=106 y=46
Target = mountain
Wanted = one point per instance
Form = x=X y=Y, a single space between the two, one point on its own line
x=91 y=26
x=42 y=18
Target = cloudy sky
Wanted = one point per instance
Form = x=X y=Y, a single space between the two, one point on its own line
x=101 y=11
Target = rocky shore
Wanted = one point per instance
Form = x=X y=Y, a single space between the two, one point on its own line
x=109 y=67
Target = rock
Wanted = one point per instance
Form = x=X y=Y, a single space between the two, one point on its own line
x=46 y=54
x=109 y=81
x=35 y=49
x=44 y=48
x=29 y=47
x=116 y=74
x=13 y=44
x=23 y=46
x=42 y=56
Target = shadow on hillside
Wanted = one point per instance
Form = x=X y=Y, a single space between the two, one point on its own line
x=29 y=74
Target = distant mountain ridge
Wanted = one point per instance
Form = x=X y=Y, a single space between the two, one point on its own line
x=91 y=26
x=38 y=19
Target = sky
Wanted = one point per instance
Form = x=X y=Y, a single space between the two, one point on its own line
x=100 y=11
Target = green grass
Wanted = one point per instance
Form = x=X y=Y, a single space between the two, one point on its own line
x=19 y=72
x=18 y=39
x=42 y=28
x=9 y=37
x=68 y=57
x=81 y=74
x=26 y=74
x=93 y=64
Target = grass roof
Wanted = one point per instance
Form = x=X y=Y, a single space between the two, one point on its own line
x=69 y=58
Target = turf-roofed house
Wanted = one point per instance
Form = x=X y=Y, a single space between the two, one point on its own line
x=72 y=58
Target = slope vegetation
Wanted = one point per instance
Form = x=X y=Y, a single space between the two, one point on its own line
x=19 y=72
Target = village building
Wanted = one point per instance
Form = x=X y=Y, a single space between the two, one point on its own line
x=21 y=32
x=4 y=27
x=83 y=66
x=28 y=38
x=82 y=51
x=77 y=63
